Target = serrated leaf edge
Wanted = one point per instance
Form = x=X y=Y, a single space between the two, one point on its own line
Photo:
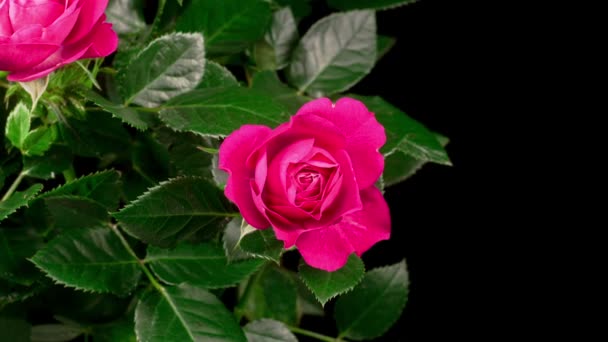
x=337 y=294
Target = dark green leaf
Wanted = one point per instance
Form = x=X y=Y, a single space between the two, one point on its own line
x=231 y=239
x=150 y=159
x=129 y=115
x=54 y=333
x=73 y=212
x=39 y=141
x=18 y=200
x=89 y=259
x=188 y=158
x=229 y=26
x=175 y=210
x=272 y=294
x=203 y=265
x=300 y=8
x=346 y=5
x=171 y=65
x=98 y=134
x=220 y=111
x=405 y=134
x=217 y=76
x=268 y=83
x=374 y=305
x=126 y=16
x=122 y=330
x=385 y=44
x=185 y=313
x=102 y=187
x=282 y=37
x=18 y=125
x=268 y=330
x=57 y=159
x=15 y=246
x=261 y=243
x=335 y=53
x=307 y=302
x=326 y=285
x=14 y=329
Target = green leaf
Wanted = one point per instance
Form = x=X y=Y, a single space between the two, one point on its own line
x=122 y=330
x=126 y=16
x=229 y=26
x=300 y=8
x=170 y=65
x=262 y=244
x=346 y=5
x=281 y=38
x=308 y=304
x=220 y=111
x=385 y=44
x=150 y=159
x=372 y=307
x=128 y=115
x=18 y=125
x=15 y=246
x=57 y=159
x=102 y=187
x=272 y=294
x=404 y=133
x=335 y=53
x=89 y=259
x=268 y=330
x=18 y=200
x=185 y=313
x=73 y=212
x=268 y=82
x=54 y=333
x=175 y=210
x=231 y=239
x=95 y=136
x=14 y=329
x=203 y=265
x=217 y=76
x=39 y=141
x=326 y=285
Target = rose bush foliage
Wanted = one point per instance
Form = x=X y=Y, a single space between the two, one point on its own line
x=160 y=194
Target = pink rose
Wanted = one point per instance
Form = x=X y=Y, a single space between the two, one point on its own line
x=312 y=179
x=39 y=36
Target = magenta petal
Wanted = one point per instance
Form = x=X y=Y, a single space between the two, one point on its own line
x=233 y=154
x=90 y=14
x=328 y=248
x=18 y=56
x=6 y=29
x=24 y=13
x=105 y=42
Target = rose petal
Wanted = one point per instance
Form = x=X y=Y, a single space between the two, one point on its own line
x=16 y=56
x=364 y=135
x=105 y=42
x=328 y=248
x=61 y=28
x=6 y=29
x=90 y=14
x=233 y=153
x=24 y=13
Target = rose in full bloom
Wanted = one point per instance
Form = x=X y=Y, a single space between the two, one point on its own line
x=312 y=180
x=39 y=36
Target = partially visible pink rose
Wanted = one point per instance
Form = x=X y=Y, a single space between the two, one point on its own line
x=312 y=180
x=39 y=36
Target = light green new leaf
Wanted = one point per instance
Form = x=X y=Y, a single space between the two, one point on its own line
x=326 y=285
x=272 y=294
x=102 y=187
x=217 y=76
x=268 y=330
x=185 y=313
x=203 y=265
x=55 y=333
x=374 y=305
x=18 y=125
x=335 y=53
x=175 y=210
x=129 y=115
x=229 y=26
x=89 y=259
x=18 y=200
x=74 y=212
x=170 y=65
x=220 y=111
x=404 y=133
x=346 y=5
x=39 y=141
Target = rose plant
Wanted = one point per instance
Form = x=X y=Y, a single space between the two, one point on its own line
x=210 y=179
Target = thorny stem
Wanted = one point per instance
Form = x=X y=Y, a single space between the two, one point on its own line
x=14 y=186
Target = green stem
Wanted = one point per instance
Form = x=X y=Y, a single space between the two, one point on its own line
x=312 y=334
x=14 y=186
x=69 y=174
x=140 y=262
